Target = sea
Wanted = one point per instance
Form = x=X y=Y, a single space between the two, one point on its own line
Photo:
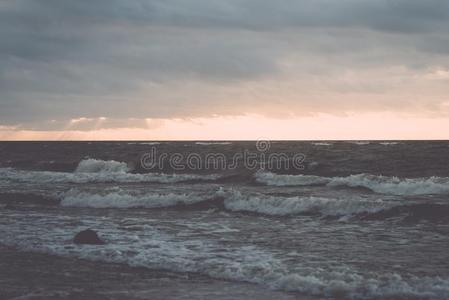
x=230 y=219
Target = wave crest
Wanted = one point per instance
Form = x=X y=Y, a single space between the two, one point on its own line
x=395 y=185
x=118 y=198
x=378 y=184
x=281 y=206
x=101 y=166
x=99 y=171
x=232 y=200
x=289 y=180
x=154 y=249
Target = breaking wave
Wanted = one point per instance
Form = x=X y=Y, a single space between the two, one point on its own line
x=119 y=198
x=232 y=200
x=378 y=184
x=282 y=206
x=289 y=180
x=99 y=171
x=153 y=249
x=360 y=143
x=101 y=166
x=395 y=185
x=347 y=284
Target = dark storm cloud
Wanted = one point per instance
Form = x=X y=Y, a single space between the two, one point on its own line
x=72 y=58
x=407 y=15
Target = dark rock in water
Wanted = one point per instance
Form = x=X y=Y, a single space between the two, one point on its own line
x=88 y=237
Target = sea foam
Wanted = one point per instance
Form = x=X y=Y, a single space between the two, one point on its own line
x=118 y=198
x=101 y=166
x=154 y=249
x=378 y=184
x=281 y=206
x=233 y=200
x=99 y=171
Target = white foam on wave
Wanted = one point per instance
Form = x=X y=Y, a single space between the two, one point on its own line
x=101 y=166
x=389 y=143
x=361 y=143
x=289 y=180
x=234 y=200
x=281 y=206
x=152 y=248
x=321 y=144
x=98 y=171
x=395 y=185
x=118 y=198
x=378 y=184
x=347 y=284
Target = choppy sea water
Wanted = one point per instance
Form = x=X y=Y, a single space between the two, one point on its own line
x=360 y=220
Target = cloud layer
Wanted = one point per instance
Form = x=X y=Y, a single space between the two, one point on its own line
x=128 y=61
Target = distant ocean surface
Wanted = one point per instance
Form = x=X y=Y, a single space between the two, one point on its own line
x=360 y=220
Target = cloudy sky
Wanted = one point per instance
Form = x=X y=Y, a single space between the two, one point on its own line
x=224 y=69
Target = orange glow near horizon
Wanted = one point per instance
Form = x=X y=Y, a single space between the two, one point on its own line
x=370 y=126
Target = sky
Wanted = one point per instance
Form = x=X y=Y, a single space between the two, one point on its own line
x=224 y=69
